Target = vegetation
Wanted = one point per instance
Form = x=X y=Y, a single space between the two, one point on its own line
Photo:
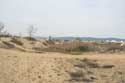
x=74 y=47
x=31 y=31
x=16 y=41
x=78 y=47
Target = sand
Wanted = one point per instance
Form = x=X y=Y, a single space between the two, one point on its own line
x=48 y=67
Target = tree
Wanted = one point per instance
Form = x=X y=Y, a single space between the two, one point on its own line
x=31 y=31
x=50 y=38
x=1 y=27
x=78 y=38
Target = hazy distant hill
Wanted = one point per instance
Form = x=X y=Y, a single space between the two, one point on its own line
x=90 y=38
x=86 y=38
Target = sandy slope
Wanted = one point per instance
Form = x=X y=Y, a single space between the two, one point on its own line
x=21 y=67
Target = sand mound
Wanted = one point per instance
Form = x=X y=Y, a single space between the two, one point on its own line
x=23 y=44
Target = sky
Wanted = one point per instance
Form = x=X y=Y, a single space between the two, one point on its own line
x=88 y=18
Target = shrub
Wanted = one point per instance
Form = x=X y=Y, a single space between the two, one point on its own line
x=30 y=38
x=81 y=49
x=51 y=42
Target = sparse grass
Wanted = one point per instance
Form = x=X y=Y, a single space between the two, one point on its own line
x=91 y=70
x=77 y=48
x=16 y=41
x=80 y=49
x=9 y=45
x=45 y=43
x=75 y=53
x=61 y=68
x=71 y=47
x=82 y=72
x=119 y=76
x=77 y=73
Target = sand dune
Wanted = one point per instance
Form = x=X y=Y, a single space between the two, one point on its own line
x=22 y=67
x=24 y=61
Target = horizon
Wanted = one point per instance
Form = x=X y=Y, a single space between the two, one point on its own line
x=80 y=37
x=75 y=18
